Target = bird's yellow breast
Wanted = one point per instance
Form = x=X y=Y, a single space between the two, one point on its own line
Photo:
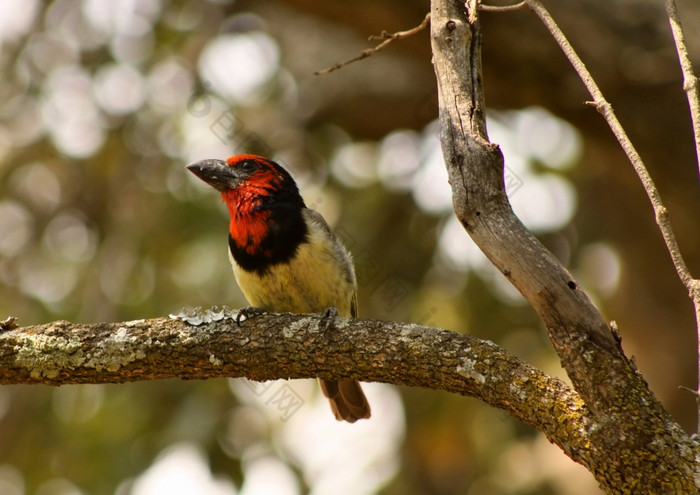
x=317 y=277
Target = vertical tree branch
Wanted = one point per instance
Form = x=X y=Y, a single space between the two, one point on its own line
x=690 y=80
x=690 y=85
x=475 y=171
x=661 y=212
x=634 y=442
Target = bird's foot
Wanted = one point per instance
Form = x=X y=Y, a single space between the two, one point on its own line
x=328 y=318
x=248 y=312
x=8 y=324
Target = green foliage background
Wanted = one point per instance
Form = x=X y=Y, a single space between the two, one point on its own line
x=103 y=103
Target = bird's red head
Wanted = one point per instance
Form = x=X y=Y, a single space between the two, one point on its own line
x=245 y=181
x=250 y=173
x=262 y=199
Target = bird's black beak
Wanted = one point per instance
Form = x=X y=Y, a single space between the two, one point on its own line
x=216 y=173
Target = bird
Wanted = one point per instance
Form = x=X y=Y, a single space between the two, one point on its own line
x=285 y=257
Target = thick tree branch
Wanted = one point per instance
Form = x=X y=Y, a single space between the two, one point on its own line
x=285 y=346
x=475 y=168
x=637 y=447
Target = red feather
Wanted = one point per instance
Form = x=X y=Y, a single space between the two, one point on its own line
x=249 y=226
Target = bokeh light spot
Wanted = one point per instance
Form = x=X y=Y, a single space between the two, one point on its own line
x=238 y=65
x=68 y=236
x=119 y=89
x=70 y=114
x=16 y=227
x=38 y=184
x=181 y=469
x=16 y=18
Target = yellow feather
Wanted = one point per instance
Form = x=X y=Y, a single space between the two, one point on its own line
x=318 y=277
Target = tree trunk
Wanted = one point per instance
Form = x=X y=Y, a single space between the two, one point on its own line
x=635 y=445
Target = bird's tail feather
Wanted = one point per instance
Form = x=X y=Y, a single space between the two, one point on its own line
x=348 y=402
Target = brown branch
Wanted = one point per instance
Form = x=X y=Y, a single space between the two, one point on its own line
x=635 y=444
x=275 y=346
x=690 y=85
x=502 y=8
x=475 y=168
x=690 y=80
x=387 y=37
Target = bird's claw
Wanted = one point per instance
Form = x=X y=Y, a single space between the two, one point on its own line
x=8 y=324
x=248 y=312
x=328 y=318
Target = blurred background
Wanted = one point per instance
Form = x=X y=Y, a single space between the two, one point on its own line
x=102 y=104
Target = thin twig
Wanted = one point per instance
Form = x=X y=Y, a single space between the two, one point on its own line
x=387 y=37
x=688 y=389
x=695 y=393
x=502 y=8
x=690 y=85
x=606 y=110
x=690 y=80
x=660 y=211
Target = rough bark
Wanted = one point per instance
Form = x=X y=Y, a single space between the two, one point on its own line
x=287 y=346
x=636 y=446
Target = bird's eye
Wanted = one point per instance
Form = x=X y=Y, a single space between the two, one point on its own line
x=248 y=166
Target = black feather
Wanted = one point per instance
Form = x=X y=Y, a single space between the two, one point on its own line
x=286 y=227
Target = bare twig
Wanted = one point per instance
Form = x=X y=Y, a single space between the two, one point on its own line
x=690 y=80
x=599 y=102
x=690 y=85
x=387 y=37
x=696 y=393
x=502 y=8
